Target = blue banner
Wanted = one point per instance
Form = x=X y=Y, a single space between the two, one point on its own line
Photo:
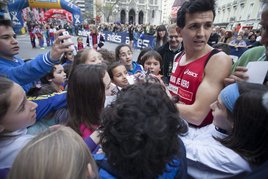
x=140 y=40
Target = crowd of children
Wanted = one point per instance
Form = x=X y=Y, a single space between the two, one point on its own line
x=117 y=118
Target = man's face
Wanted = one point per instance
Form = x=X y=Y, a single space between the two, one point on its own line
x=197 y=30
x=174 y=39
x=264 y=33
x=8 y=43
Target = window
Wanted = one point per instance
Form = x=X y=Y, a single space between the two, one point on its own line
x=153 y=14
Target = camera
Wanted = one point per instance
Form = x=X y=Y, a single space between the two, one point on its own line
x=69 y=40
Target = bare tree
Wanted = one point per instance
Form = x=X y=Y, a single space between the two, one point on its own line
x=106 y=9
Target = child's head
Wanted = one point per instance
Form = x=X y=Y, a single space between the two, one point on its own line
x=123 y=53
x=137 y=138
x=239 y=110
x=87 y=87
x=108 y=56
x=152 y=61
x=56 y=153
x=118 y=74
x=16 y=112
x=79 y=39
x=142 y=52
x=56 y=76
x=87 y=56
x=67 y=56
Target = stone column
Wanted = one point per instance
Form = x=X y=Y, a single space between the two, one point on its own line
x=137 y=17
x=127 y=16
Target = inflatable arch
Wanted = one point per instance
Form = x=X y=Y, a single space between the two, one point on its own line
x=15 y=8
x=48 y=14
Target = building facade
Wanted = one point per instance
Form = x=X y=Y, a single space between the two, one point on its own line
x=166 y=10
x=229 y=13
x=136 y=11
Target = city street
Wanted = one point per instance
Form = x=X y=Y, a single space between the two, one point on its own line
x=27 y=52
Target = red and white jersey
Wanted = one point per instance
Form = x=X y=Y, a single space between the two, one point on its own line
x=185 y=80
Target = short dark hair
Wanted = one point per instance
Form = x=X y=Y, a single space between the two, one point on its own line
x=6 y=22
x=194 y=6
x=149 y=54
x=140 y=131
x=86 y=95
x=142 y=52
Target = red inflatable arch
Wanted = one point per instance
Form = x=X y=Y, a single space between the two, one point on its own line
x=65 y=14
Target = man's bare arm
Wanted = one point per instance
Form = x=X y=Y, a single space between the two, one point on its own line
x=216 y=70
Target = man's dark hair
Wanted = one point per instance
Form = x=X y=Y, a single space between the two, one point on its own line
x=6 y=22
x=194 y=6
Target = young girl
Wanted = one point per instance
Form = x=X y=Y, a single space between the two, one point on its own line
x=123 y=53
x=88 y=85
x=95 y=39
x=16 y=114
x=47 y=155
x=152 y=62
x=67 y=58
x=236 y=140
x=80 y=44
x=118 y=74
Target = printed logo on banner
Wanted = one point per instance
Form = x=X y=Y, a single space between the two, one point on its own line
x=143 y=43
x=114 y=38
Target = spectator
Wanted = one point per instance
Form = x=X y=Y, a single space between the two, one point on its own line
x=86 y=91
x=230 y=149
x=16 y=69
x=138 y=141
x=161 y=36
x=123 y=53
x=255 y=54
x=17 y=113
x=169 y=50
x=95 y=39
x=46 y=156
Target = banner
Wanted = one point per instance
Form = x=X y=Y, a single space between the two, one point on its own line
x=45 y=3
x=141 y=41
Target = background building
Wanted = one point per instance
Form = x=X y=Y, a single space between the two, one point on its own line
x=132 y=11
x=166 y=10
x=229 y=13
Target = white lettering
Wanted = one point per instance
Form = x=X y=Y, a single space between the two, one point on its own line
x=188 y=72
x=173 y=79
x=185 y=83
x=178 y=81
x=114 y=38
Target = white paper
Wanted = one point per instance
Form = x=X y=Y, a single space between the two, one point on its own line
x=257 y=71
